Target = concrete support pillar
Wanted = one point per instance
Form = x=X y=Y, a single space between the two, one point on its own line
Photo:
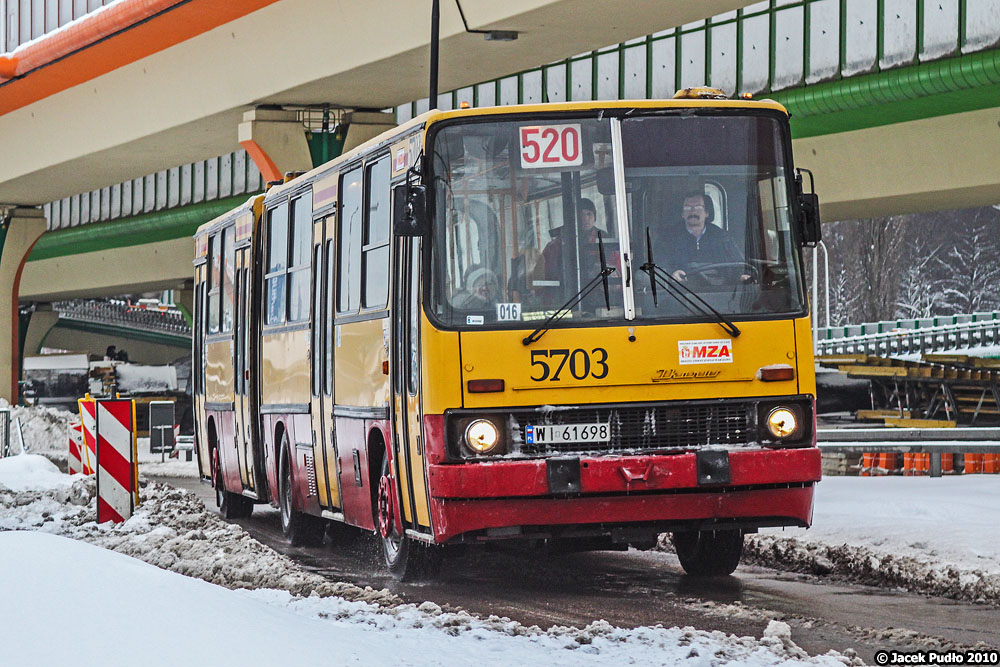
x=365 y=125
x=42 y=321
x=20 y=228
x=276 y=142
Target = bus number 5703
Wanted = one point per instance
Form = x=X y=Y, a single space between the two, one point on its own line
x=551 y=364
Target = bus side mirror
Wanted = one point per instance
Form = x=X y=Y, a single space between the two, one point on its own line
x=409 y=210
x=809 y=224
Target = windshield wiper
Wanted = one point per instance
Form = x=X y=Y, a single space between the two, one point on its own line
x=686 y=298
x=602 y=276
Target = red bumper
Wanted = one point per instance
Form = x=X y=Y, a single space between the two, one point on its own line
x=476 y=496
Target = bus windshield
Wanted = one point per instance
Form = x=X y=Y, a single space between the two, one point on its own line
x=526 y=213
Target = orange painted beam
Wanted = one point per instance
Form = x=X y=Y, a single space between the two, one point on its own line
x=106 y=40
x=265 y=165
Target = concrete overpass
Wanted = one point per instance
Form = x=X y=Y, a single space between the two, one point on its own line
x=141 y=99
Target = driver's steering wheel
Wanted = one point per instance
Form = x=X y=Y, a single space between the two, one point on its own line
x=721 y=274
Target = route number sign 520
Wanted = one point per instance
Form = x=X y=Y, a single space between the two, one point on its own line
x=544 y=146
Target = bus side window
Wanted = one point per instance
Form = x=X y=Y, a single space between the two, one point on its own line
x=349 y=242
x=298 y=261
x=277 y=258
x=228 y=277
x=197 y=334
x=213 y=280
x=317 y=319
x=328 y=291
x=375 y=251
x=718 y=197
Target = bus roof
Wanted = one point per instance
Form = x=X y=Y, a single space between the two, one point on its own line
x=247 y=205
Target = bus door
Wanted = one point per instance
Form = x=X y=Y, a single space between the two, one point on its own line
x=408 y=455
x=241 y=363
x=321 y=401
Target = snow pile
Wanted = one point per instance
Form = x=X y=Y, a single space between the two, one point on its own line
x=170 y=529
x=187 y=613
x=26 y=472
x=174 y=531
x=137 y=378
x=934 y=536
x=46 y=430
x=876 y=568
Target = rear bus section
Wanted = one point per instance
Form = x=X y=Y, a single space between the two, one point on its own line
x=224 y=342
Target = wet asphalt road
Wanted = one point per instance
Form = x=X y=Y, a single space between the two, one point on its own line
x=636 y=588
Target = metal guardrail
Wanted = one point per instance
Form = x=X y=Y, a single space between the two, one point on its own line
x=910 y=441
x=940 y=338
x=906 y=435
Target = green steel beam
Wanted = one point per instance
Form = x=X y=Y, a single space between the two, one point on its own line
x=188 y=317
x=165 y=225
x=125 y=332
x=935 y=88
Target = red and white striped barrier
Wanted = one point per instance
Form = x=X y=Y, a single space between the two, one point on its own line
x=75 y=454
x=116 y=458
x=88 y=422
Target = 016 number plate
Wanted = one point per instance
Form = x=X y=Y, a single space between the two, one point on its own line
x=566 y=433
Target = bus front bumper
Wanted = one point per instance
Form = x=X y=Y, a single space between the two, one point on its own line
x=764 y=487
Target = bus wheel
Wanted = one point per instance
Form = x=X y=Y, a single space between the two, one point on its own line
x=405 y=559
x=708 y=553
x=231 y=505
x=300 y=529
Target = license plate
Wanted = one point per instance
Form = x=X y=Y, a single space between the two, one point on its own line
x=564 y=433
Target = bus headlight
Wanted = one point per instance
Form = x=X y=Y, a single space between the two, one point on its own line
x=482 y=436
x=782 y=422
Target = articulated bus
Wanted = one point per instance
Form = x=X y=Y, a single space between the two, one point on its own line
x=580 y=325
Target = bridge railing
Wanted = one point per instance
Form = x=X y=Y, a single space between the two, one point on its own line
x=972 y=335
x=766 y=47
x=118 y=312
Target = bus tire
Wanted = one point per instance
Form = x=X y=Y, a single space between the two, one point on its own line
x=708 y=553
x=299 y=528
x=405 y=559
x=231 y=505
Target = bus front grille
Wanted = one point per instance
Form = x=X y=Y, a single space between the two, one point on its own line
x=648 y=427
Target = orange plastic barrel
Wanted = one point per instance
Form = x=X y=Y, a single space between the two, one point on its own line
x=867 y=463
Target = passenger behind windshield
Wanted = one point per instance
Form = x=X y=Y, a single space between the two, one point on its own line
x=481 y=292
x=588 y=234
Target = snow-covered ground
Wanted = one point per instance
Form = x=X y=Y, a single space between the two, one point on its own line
x=54 y=575
x=935 y=536
x=931 y=535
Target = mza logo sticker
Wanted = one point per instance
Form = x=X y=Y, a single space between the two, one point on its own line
x=705 y=351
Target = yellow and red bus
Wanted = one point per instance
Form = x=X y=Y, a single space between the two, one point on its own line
x=582 y=323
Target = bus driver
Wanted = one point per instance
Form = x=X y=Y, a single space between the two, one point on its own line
x=698 y=243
